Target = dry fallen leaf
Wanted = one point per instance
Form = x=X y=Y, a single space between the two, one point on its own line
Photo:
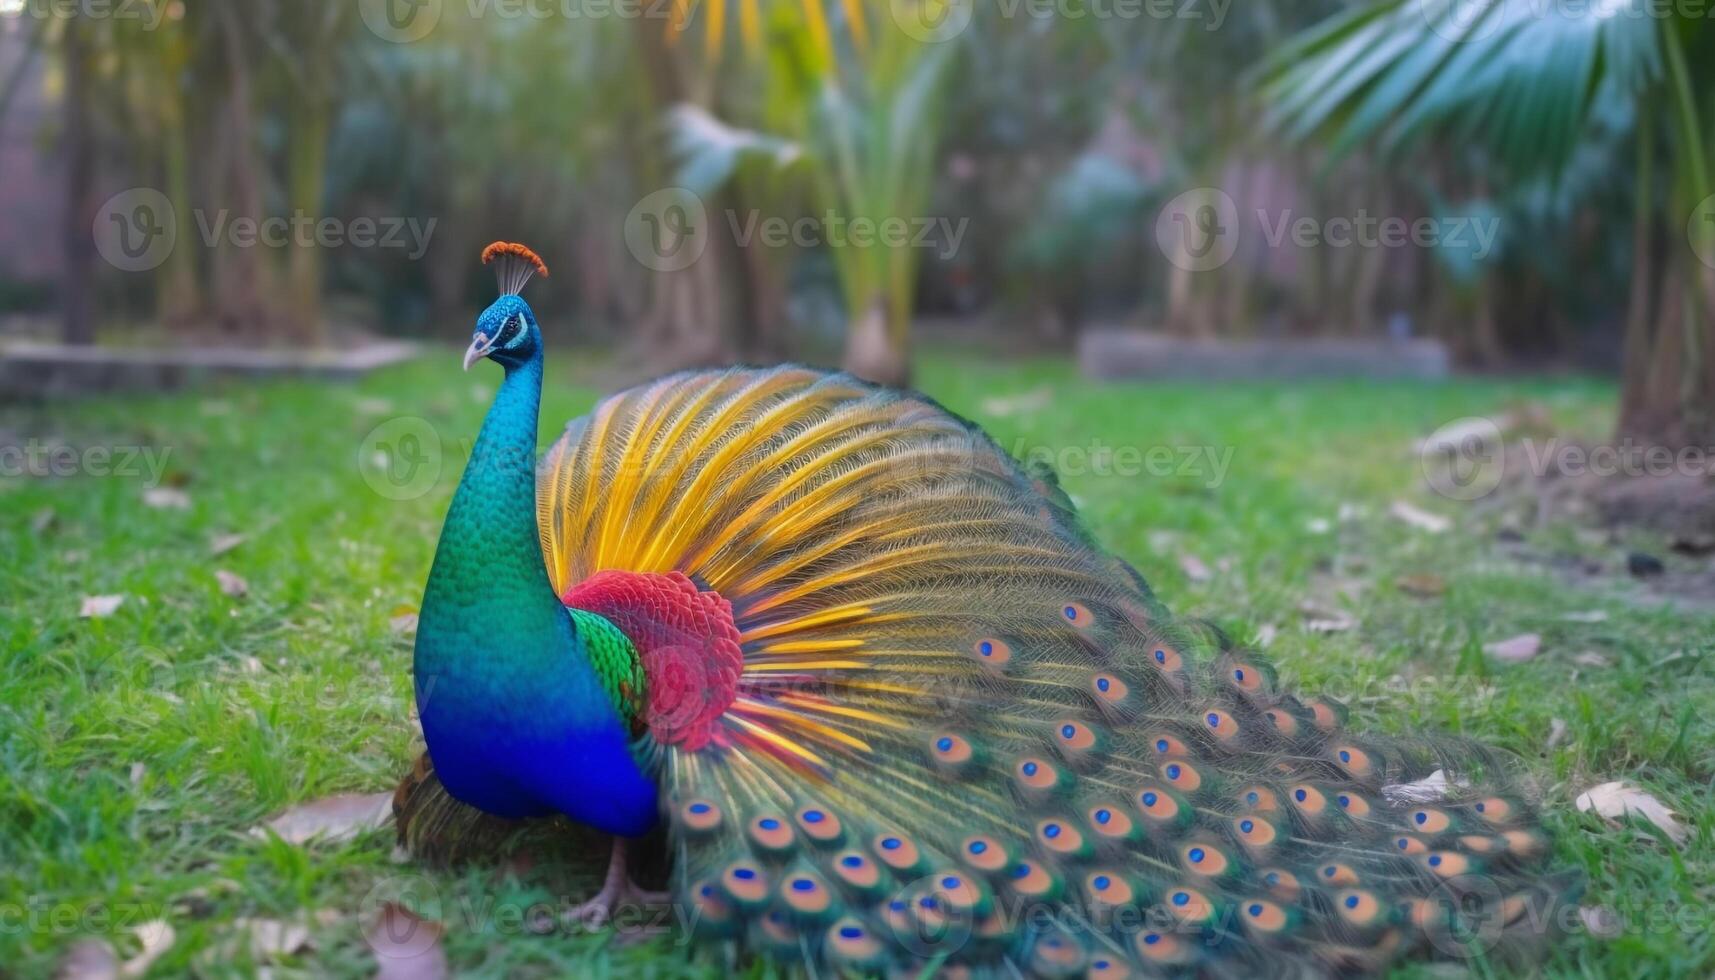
x=1322 y=619
x=220 y=544
x=1026 y=401
x=42 y=520
x=1194 y=568
x=1620 y=799
x=271 y=939
x=88 y=959
x=1424 y=586
x=100 y=606
x=1556 y=731
x=231 y=584
x=1419 y=518
x=407 y=946
x=156 y=937
x=1430 y=789
x=1514 y=650
x=163 y=498
x=1591 y=659
x=1318 y=525
x=1588 y=616
x=335 y=818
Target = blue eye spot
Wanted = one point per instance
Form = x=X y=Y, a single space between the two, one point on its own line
x=1161 y=745
x=1214 y=720
x=1435 y=860
x=1345 y=756
x=768 y=823
x=1052 y=942
x=1101 y=964
x=1022 y=871
x=927 y=901
x=706 y=891
x=1345 y=801
x=803 y=885
x=1300 y=796
x=1238 y=675
x=851 y=932
x=1029 y=768
x=944 y=744
x=1403 y=843
x=852 y=861
x=1351 y=901
x=1151 y=939
x=1071 y=613
x=1273 y=877
x=1149 y=799
x=699 y=808
x=1330 y=871
x=1161 y=656
x=977 y=846
x=1196 y=855
x=1103 y=816
x=1051 y=831
x=1421 y=818
x=1067 y=731
x=743 y=874
x=1256 y=909
x=987 y=649
x=1251 y=797
x=1246 y=826
x=949 y=882
x=1480 y=808
x=1180 y=898
x=813 y=816
x=891 y=844
x=1101 y=882
x=1173 y=771
x=1102 y=684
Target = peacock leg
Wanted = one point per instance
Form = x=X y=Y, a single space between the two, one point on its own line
x=617 y=891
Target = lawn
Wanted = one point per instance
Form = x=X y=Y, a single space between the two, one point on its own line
x=139 y=749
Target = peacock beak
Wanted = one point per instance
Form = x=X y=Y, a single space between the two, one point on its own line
x=478 y=349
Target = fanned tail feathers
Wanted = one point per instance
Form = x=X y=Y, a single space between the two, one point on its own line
x=966 y=740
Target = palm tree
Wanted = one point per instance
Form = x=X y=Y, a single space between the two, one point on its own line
x=851 y=105
x=1523 y=80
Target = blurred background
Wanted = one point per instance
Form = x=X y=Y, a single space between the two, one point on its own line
x=1171 y=187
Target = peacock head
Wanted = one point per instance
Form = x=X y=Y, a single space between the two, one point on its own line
x=506 y=332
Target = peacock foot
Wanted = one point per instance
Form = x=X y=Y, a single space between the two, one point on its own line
x=618 y=892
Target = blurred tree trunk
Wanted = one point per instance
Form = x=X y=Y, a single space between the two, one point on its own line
x=877 y=350
x=684 y=324
x=306 y=182
x=239 y=272
x=77 y=313
x=179 y=301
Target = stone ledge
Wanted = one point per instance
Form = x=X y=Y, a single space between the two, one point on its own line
x=47 y=371
x=1116 y=354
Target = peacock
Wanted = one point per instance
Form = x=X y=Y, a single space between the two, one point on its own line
x=871 y=691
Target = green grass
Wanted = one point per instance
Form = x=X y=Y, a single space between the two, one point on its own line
x=136 y=751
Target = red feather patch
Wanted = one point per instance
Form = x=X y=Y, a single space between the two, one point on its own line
x=686 y=640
